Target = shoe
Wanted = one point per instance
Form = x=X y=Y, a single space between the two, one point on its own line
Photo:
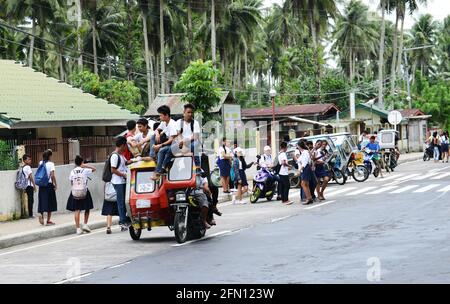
x=278 y=198
x=86 y=228
x=108 y=230
x=288 y=203
x=41 y=219
x=123 y=228
x=79 y=231
x=50 y=223
x=217 y=212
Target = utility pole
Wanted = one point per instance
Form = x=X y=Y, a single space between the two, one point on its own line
x=80 y=57
x=408 y=85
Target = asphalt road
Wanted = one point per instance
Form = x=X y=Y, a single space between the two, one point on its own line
x=391 y=230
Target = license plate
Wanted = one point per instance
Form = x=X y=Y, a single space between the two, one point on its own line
x=143 y=204
x=387 y=150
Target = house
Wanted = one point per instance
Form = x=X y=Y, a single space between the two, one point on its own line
x=41 y=112
x=293 y=120
x=412 y=129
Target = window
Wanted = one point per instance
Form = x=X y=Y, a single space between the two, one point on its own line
x=144 y=183
x=181 y=169
x=387 y=138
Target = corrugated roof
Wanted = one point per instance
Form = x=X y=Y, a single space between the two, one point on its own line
x=29 y=96
x=411 y=112
x=176 y=104
x=291 y=110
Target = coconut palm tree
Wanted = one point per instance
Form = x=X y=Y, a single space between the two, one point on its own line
x=355 y=37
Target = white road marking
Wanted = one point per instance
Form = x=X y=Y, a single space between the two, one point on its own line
x=441 y=175
x=425 y=176
x=359 y=191
x=74 y=278
x=280 y=219
x=204 y=238
x=389 y=177
x=404 y=189
x=440 y=169
x=55 y=242
x=426 y=188
x=119 y=265
x=445 y=189
x=409 y=176
x=319 y=205
x=382 y=189
x=344 y=189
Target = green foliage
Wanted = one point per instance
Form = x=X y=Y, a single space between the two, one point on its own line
x=197 y=82
x=8 y=161
x=435 y=101
x=122 y=93
x=86 y=81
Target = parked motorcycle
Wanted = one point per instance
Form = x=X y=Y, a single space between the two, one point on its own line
x=264 y=185
x=428 y=154
x=369 y=163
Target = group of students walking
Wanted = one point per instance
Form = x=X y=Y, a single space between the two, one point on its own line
x=439 y=143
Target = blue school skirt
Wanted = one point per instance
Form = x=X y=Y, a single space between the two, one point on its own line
x=321 y=171
x=224 y=167
x=306 y=173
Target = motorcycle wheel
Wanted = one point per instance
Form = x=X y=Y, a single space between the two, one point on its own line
x=198 y=233
x=360 y=174
x=426 y=157
x=135 y=233
x=255 y=195
x=181 y=230
x=294 y=181
x=270 y=197
x=376 y=172
x=339 y=177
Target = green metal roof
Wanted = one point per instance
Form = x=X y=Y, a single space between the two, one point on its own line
x=28 y=96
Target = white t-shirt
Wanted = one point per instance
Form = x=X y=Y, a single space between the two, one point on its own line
x=265 y=161
x=169 y=129
x=140 y=137
x=49 y=166
x=85 y=171
x=116 y=179
x=304 y=159
x=444 y=140
x=284 y=170
x=222 y=151
x=187 y=132
x=27 y=171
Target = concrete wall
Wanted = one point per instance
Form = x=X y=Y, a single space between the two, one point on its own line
x=10 y=204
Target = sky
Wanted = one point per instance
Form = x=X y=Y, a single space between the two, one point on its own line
x=439 y=9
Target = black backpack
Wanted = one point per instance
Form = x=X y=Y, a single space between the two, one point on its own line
x=107 y=173
x=277 y=166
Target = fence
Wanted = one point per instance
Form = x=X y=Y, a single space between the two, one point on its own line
x=8 y=156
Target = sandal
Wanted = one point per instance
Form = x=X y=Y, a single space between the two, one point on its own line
x=50 y=223
x=41 y=219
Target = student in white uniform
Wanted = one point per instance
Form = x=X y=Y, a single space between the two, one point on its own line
x=82 y=171
x=162 y=140
x=47 y=195
x=304 y=165
x=31 y=187
x=284 y=174
x=188 y=130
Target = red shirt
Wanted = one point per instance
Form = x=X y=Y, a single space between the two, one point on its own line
x=127 y=154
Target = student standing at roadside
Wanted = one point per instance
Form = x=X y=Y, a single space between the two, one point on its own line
x=47 y=194
x=224 y=162
x=284 y=174
x=119 y=177
x=305 y=171
x=78 y=179
x=321 y=172
x=434 y=143
x=109 y=208
x=31 y=188
x=444 y=146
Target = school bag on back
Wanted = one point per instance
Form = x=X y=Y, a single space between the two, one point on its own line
x=107 y=173
x=21 y=180
x=41 y=176
x=79 y=185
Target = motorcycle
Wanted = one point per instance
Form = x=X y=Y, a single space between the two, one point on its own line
x=262 y=186
x=428 y=154
x=390 y=160
x=369 y=163
x=359 y=172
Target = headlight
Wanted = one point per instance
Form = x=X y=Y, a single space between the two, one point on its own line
x=180 y=197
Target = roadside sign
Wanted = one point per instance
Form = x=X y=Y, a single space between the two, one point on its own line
x=395 y=117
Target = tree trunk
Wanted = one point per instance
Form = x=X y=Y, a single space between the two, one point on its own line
x=152 y=75
x=79 y=43
x=351 y=68
x=260 y=87
x=400 y=44
x=245 y=66
x=161 y=43
x=381 y=54
x=189 y=29
x=147 y=59
x=94 y=45
x=61 y=67
x=33 y=33
x=394 y=53
x=213 y=34
x=239 y=62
